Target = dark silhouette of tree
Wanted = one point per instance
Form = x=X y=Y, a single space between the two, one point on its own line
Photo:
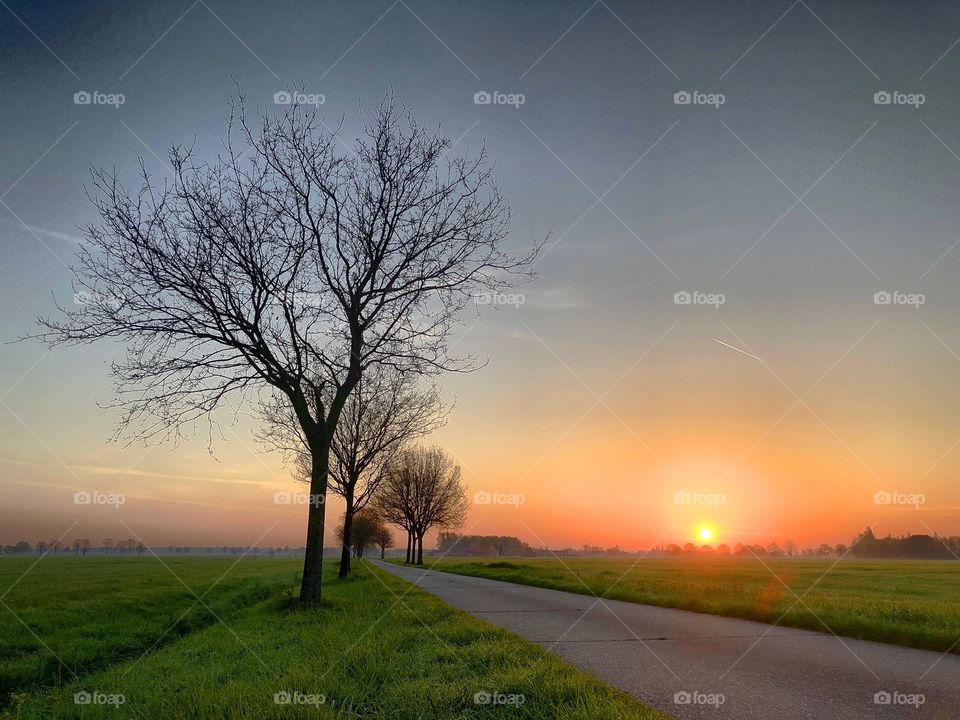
x=282 y=270
x=107 y=544
x=366 y=527
x=383 y=540
x=422 y=490
x=42 y=547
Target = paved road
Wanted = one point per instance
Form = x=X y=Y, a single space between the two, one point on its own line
x=761 y=670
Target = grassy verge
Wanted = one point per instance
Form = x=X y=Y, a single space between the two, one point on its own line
x=903 y=603
x=376 y=648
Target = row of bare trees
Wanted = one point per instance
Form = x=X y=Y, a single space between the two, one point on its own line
x=286 y=272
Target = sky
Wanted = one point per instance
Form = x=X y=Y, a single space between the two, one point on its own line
x=744 y=315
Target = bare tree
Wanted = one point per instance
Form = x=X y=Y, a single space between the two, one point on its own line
x=107 y=544
x=367 y=526
x=385 y=410
x=422 y=491
x=383 y=540
x=284 y=269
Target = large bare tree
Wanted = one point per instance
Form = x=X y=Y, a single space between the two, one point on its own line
x=283 y=269
x=423 y=490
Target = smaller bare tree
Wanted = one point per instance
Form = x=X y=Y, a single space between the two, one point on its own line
x=383 y=540
x=423 y=490
x=367 y=526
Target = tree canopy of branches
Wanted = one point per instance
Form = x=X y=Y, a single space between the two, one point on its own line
x=422 y=490
x=285 y=268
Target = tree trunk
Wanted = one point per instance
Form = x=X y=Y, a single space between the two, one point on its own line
x=313 y=557
x=420 y=550
x=383 y=552
x=409 y=535
x=347 y=537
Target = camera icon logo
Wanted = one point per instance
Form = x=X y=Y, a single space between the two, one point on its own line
x=482 y=498
x=882 y=97
x=482 y=98
x=682 y=98
x=82 y=98
x=282 y=98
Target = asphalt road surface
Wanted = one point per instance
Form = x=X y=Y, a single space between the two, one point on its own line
x=702 y=666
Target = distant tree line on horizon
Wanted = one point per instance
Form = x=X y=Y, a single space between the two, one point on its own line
x=912 y=547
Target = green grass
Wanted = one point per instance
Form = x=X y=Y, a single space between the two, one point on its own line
x=914 y=604
x=100 y=625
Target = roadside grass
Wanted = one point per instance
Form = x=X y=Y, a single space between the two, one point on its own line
x=909 y=603
x=376 y=648
x=88 y=613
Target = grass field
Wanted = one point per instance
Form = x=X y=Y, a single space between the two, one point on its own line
x=916 y=604
x=376 y=648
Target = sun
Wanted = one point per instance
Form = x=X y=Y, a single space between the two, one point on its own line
x=705 y=534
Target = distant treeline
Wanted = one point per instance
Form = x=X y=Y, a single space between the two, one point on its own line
x=83 y=546
x=482 y=545
x=914 y=547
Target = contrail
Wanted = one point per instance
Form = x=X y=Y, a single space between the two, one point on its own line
x=743 y=352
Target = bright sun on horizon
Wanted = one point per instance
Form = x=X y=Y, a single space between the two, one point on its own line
x=705 y=533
